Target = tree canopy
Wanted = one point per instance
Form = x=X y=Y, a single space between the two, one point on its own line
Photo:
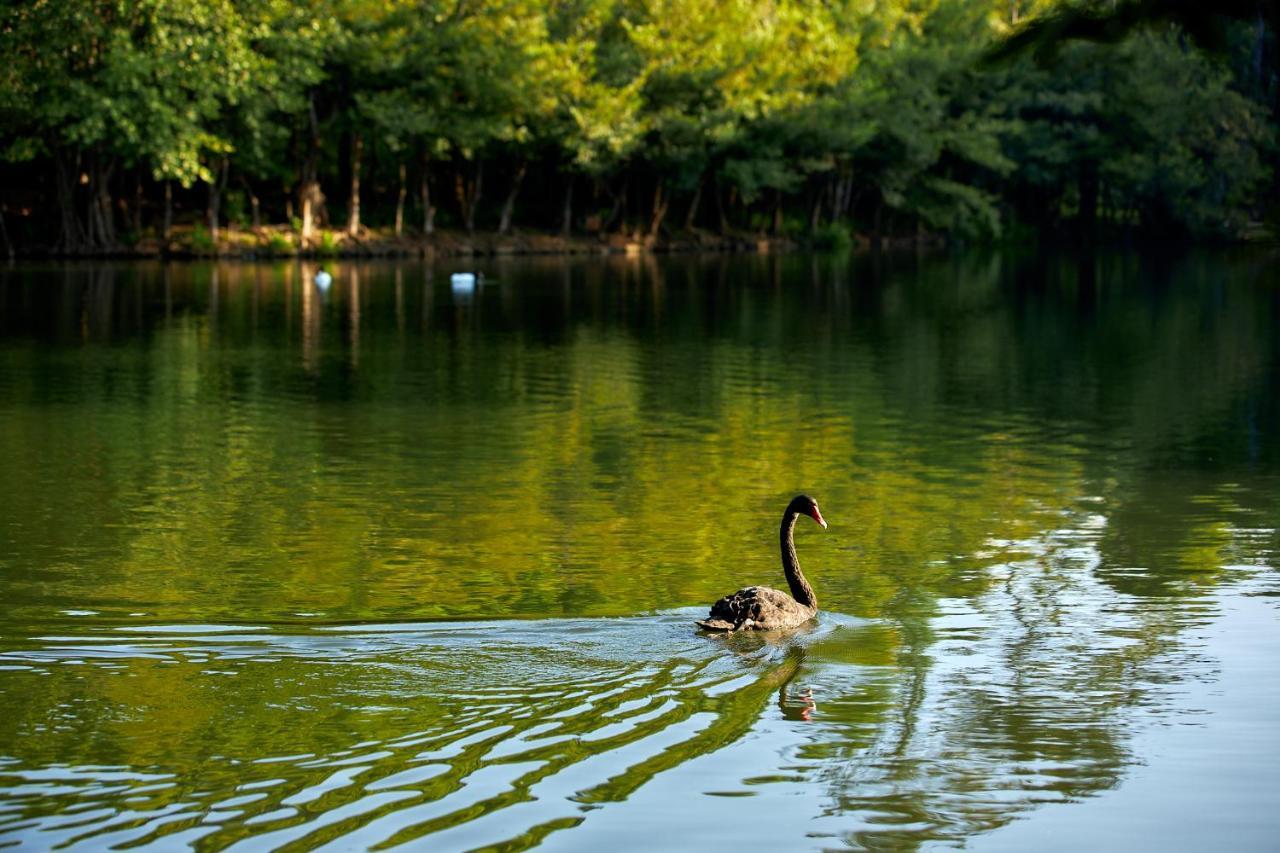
x=887 y=118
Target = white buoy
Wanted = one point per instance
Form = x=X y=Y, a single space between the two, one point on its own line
x=323 y=280
x=463 y=282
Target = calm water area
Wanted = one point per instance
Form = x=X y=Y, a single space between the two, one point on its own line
x=390 y=564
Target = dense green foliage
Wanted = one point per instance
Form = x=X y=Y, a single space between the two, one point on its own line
x=788 y=115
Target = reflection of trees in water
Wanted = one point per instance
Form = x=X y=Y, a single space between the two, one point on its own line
x=589 y=438
x=1027 y=694
x=592 y=424
x=557 y=733
x=1178 y=533
x=910 y=379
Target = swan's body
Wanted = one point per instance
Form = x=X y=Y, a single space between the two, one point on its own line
x=761 y=608
x=758 y=608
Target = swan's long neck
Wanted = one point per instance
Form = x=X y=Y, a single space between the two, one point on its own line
x=800 y=589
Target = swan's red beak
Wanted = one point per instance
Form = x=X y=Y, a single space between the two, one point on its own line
x=817 y=516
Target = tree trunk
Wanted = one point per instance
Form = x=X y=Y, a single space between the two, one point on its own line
x=166 y=223
x=619 y=205
x=400 y=195
x=306 y=182
x=216 y=187
x=213 y=206
x=92 y=217
x=468 y=191
x=102 y=230
x=776 y=227
x=692 y=213
x=4 y=236
x=661 y=201
x=353 y=207
x=504 y=224
x=106 y=202
x=840 y=197
x=460 y=192
x=310 y=197
x=720 y=213
x=135 y=208
x=255 y=205
x=566 y=216
x=73 y=237
x=815 y=210
x=428 y=212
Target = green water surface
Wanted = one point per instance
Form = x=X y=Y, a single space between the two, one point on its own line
x=396 y=564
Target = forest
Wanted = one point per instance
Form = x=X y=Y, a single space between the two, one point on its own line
x=302 y=125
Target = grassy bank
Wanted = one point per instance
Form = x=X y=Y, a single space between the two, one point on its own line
x=282 y=241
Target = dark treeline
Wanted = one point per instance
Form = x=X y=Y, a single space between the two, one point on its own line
x=123 y=121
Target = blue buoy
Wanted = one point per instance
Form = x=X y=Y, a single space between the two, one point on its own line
x=323 y=280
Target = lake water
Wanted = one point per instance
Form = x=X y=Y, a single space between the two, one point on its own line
x=391 y=564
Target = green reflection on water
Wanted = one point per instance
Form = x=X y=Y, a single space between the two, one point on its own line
x=1037 y=474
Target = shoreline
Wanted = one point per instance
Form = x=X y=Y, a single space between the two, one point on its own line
x=282 y=242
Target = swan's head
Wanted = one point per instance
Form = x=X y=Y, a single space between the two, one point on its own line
x=805 y=505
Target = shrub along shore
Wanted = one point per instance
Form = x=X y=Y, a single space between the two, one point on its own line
x=283 y=242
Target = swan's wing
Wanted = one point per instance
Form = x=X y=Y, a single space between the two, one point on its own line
x=751 y=603
x=735 y=608
x=755 y=607
x=767 y=598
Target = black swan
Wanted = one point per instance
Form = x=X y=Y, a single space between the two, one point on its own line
x=760 y=608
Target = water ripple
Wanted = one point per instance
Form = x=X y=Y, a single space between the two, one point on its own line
x=534 y=725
